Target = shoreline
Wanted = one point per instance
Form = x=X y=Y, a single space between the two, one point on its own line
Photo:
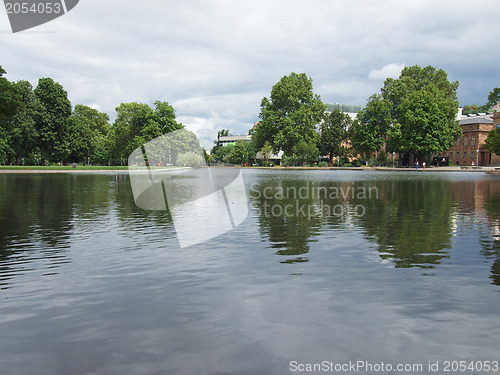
x=27 y=170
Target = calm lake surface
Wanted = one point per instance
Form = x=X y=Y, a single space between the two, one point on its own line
x=334 y=266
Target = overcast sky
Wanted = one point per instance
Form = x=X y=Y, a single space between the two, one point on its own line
x=214 y=60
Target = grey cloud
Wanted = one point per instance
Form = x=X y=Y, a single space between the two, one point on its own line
x=226 y=55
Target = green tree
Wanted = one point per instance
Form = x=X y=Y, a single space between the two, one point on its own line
x=24 y=133
x=370 y=131
x=217 y=142
x=89 y=129
x=266 y=151
x=221 y=153
x=9 y=102
x=423 y=106
x=290 y=115
x=130 y=120
x=9 y=97
x=474 y=109
x=240 y=153
x=164 y=115
x=493 y=98
x=493 y=141
x=334 y=133
x=53 y=122
x=180 y=142
x=305 y=152
x=423 y=127
x=137 y=124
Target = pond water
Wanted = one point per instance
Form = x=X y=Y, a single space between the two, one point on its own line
x=329 y=269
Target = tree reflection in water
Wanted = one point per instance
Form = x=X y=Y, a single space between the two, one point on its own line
x=411 y=218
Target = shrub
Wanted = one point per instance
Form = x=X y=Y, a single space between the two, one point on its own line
x=355 y=163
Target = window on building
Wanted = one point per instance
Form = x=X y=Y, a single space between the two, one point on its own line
x=465 y=155
x=473 y=140
x=458 y=142
x=466 y=139
x=451 y=155
x=472 y=155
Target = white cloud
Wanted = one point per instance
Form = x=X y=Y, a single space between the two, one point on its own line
x=205 y=116
x=389 y=71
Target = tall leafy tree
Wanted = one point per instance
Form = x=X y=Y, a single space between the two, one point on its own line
x=138 y=123
x=89 y=129
x=241 y=152
x=130 y=120
x=53 y=124
x=423 y=106
x=290 y=114
x=9 y=102
x=9 y=97
x=164 y=115
x=370 y=131
x=423 y=127
x=334 y=132
x=24 y=134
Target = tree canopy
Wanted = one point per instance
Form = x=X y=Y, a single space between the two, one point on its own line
x=52 y=123
x=334 y=132
x=89 y=129
x=374 y=121
x=39 y=125
x=290 y=114
x=415 y=114
x=493 y=141
x=9 y=102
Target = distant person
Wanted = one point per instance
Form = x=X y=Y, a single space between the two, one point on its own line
x=424 y=164
x=416 y=165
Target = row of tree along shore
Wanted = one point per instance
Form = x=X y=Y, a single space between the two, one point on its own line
x=38 y=126
x=413 y=116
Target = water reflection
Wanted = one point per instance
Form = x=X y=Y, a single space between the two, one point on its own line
x=490 y=199
x=411 y=217
x=123 y=297
x=37 y=213
x=284 y=218
x=411 y=222
x=35 y=221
